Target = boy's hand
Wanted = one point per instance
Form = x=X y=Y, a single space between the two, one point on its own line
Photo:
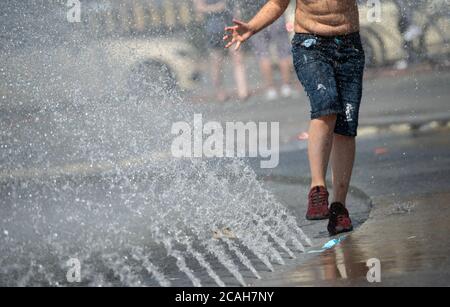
x=237 y=34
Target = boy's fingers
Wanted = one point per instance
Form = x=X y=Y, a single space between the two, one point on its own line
x=238 y=22
x=230 y=29
x=229 y=44
x=238 y=45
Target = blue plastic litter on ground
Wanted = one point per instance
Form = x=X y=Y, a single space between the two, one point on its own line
x=328 y=245
x=333 y=243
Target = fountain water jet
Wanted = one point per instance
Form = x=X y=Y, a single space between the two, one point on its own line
x=241 y=257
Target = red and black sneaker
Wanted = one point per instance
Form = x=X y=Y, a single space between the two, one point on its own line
x=318 y=204
x=340 y=221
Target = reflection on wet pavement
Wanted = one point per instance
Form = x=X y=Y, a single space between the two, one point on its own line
x=413 y=248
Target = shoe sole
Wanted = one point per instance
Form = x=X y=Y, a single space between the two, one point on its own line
x=317 y=218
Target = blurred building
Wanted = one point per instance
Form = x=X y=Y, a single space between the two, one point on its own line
x=116 y=48
x=139 y=16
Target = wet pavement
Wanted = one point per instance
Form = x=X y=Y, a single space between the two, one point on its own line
x=408 y=228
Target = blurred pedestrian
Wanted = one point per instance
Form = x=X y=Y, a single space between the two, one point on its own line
x=218 y=14
x=275 y=35
x=408 y=29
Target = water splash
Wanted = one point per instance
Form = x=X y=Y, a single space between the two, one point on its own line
x=85 y=173
x=247 y=263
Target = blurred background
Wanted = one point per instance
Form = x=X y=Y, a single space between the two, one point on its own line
x=118 y=45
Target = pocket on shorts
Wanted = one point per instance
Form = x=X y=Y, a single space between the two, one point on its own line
x=304 y=56
x=305 y=50
x=317 y=78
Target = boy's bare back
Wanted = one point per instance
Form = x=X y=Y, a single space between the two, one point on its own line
x=327 y=17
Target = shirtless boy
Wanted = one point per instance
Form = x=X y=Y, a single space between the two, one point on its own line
x=329 y=61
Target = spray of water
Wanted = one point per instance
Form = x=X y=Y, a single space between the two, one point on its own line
x=86 y=173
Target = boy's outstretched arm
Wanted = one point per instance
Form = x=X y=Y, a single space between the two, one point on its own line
x=242 y=31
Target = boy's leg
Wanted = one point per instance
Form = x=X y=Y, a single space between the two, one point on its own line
x=342 y=161
x=349 y=77
x=315 y=70
x=321 y=133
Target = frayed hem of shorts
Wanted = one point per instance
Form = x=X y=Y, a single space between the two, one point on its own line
x=350 y=135
x=323 y=113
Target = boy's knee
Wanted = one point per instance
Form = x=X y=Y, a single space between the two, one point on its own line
x=344 y=137
x=329 y=119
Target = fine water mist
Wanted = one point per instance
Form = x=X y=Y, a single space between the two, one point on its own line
x=86 y=172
